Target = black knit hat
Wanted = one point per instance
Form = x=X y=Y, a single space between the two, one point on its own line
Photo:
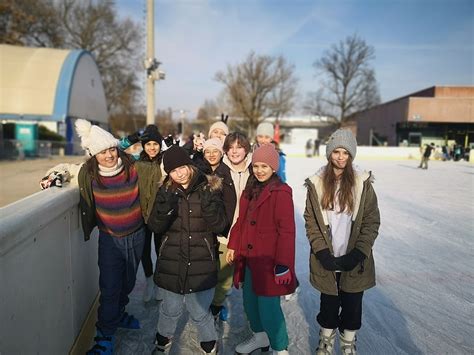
x=175 y=157
x=151 y=133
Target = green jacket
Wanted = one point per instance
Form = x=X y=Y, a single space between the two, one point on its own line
x=86 y=202
x=150 y=178
x=364 y=230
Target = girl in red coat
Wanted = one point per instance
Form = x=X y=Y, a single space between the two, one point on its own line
x=262 y=245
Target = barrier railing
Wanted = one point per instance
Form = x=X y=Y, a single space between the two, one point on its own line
x=48 y=273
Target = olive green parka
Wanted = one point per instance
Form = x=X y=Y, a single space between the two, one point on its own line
x=364 y=231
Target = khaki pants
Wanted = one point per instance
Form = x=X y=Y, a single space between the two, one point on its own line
x=225 y=276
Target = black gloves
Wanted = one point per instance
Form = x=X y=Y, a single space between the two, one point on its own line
x=206 y=200
x=167 y=203
x=133 y=138
x=327 y=260
x=349 y=261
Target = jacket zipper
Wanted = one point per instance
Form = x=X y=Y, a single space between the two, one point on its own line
x=162 y=246
x=209 y=248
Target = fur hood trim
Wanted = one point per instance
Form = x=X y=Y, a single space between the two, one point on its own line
x=214 y=182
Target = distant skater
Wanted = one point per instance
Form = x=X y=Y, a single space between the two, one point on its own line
x=426 y=156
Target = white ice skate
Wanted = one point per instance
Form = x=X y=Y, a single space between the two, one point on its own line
x=327 y=337
x=256 y=341
x=347 y=340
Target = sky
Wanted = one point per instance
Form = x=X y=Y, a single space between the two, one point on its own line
x=418 y=43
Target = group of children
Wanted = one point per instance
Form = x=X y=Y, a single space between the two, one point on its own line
x=222 y=214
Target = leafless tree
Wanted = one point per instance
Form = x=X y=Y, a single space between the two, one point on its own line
x=349 y=84
x=259 y=87
x=115 y=44
x=30 y=22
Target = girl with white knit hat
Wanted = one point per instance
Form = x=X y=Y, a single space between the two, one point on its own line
x=109 y=200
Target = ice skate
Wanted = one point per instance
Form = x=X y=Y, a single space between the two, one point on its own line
x=256 y=341
x=327 y=338
x=347 y=340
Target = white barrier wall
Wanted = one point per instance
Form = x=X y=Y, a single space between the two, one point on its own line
x=48 y=273
x=362 y=151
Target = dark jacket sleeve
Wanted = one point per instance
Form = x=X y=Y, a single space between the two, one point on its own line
x=164 y=212
x=213 y=210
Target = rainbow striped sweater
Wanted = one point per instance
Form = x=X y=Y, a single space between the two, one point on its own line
x=118 y=204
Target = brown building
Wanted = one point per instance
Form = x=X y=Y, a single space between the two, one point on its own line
x=440 y=114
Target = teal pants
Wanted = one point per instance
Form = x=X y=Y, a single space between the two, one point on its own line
x=265 y=315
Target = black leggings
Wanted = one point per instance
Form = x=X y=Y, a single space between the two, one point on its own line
x=343 y=311
x=146 y=257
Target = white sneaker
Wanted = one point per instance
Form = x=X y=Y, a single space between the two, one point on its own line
x=149 y=289
x=347 y=340
x=281 y=352
x=327 y=337
x=256 y=341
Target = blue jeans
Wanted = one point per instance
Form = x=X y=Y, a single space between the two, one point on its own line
x=118 y=264
x=197 y=304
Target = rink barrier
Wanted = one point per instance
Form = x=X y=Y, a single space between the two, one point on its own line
x=363 y=152
x=48 y=273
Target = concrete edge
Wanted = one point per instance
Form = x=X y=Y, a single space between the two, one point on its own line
x=85 y=338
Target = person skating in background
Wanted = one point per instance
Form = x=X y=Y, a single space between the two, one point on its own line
x=188 y=213
x=109 y=199
x=150 y=178
x=262 y=245
x=342 y=221
x=264 y=135
x=426 y=156
x=309 y=148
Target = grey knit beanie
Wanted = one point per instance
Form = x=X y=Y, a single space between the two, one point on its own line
x=342 y=138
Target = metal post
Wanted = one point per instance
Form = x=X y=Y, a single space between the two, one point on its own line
x=150 y=53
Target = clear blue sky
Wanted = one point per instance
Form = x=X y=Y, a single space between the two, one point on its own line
x=418 y=43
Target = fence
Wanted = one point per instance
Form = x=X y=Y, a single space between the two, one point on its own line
x=48 y=273
x=13 y=149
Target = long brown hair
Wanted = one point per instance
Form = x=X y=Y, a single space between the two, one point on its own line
x=92 y=167
x=346 y=183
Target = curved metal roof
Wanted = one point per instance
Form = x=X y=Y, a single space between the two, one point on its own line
x=36 y=83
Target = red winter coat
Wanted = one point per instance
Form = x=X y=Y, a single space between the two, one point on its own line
x=264 y=237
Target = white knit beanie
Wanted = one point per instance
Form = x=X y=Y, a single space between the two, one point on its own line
x=342 y=138
x=93 y=138
x=265 y=129
x=220 y=125
x=213 y=143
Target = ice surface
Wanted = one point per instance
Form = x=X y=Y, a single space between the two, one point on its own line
x=423 y=301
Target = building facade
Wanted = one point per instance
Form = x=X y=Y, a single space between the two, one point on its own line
x=443 y=115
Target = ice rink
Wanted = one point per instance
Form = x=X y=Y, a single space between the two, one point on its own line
x=423 y=301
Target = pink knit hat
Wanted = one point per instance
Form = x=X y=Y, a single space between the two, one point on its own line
x=266 y=154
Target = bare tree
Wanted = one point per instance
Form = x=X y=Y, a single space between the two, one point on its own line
x=30 y=22
x=208 y=112
x=115 y=44
x=260 y=87
x=349 y=83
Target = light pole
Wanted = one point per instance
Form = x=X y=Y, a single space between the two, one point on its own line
x=151 y=64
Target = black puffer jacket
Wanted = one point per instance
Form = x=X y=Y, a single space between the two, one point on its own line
x=228 y=193
x=188 y=220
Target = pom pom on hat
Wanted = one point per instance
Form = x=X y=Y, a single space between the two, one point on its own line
x=219 y=125
x=174 y=157
x=213 y=143
x=265 y=129
x=267 y=154
x=93 y=138
x=342 y=138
